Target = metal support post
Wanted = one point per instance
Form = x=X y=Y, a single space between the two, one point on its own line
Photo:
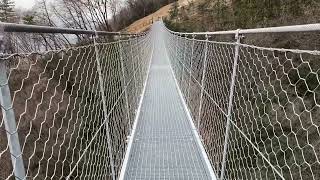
x=104 y=105
x=191 y=65
x=140 y=75
x=9 y=116
x=10 y=124
x=134 y=76
x=183 y=62
x=176 y=56
x=230 y=105
x=124 y=83
x=203 y=81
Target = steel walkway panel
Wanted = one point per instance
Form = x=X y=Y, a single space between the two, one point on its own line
x=164 y=146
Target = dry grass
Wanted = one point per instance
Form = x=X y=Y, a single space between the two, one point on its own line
x=144 y=23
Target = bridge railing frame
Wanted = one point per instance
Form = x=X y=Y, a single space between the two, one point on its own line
x=239 y=34
x=5 y=96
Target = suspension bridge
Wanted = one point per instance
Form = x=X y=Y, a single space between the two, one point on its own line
x=159 y=105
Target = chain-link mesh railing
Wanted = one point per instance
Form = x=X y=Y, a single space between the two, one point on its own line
x=66 y=114
x=256 y=109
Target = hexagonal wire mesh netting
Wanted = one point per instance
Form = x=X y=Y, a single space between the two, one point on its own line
x=72 y=109
x=274 y=119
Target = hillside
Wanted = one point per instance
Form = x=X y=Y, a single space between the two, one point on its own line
x=216 y=15
x=144 y=23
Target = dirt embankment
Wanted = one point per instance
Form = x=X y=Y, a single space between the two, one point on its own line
x=144 y=23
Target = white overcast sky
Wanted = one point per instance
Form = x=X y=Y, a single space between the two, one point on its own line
x=24 y=4
x=27 y=4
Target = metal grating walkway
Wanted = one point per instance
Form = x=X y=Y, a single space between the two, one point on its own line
x=164 y=145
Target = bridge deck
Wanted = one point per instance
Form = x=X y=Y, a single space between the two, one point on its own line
x=164 y=145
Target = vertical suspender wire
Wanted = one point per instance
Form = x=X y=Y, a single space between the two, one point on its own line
x=230 y=105
x=203 y=82
x=104 y=104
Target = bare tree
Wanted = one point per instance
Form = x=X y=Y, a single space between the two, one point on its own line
x=114 y=5
x=136 y=9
